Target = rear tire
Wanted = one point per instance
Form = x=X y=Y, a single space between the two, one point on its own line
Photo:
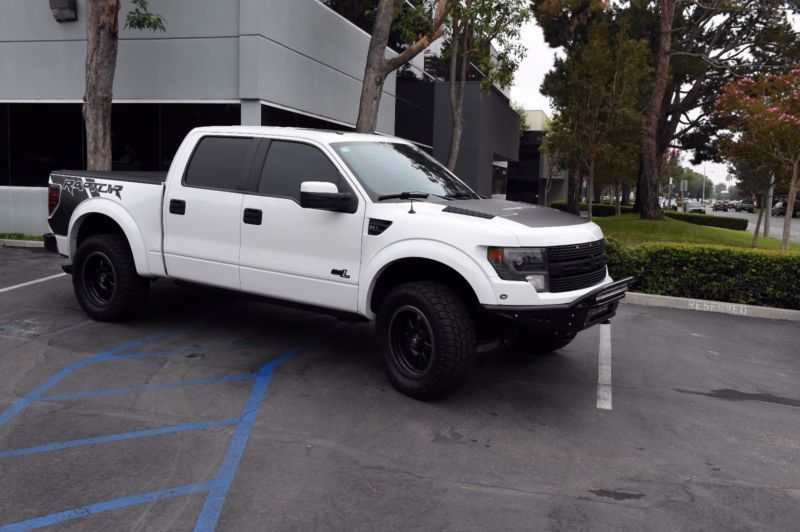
x=105 y=280
x=541 y=343
x=428 y=338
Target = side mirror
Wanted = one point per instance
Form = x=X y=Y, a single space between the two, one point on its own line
x=325 y=196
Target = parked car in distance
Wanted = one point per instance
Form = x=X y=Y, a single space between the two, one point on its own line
x=780 y=208
x=720 y=205
x=695 y=206
x=745 y=205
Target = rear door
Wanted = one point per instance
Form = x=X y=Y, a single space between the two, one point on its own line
x=202 y=224
x=291 y=253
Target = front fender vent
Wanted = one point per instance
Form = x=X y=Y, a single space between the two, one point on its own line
x=377 y=226
x=467 y=212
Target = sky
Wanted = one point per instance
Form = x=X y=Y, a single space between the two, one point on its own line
x=530 y=74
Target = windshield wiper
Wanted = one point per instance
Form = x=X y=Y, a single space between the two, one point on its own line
x=404 y=196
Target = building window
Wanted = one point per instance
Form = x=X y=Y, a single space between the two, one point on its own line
x=43 y=138
x=5 y=160
x=273 y=116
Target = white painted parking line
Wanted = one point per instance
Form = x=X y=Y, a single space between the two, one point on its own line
x=604 y=370
x=37 y=281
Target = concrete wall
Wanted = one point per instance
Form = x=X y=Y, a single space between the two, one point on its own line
x=23 y=210
x=295 y=53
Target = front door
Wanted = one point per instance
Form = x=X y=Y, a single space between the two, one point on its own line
x=296 y=254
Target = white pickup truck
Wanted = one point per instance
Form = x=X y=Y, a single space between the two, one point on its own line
x=365 y=227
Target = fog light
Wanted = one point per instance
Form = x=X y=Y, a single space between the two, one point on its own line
x=539 y=282
x=64 y=10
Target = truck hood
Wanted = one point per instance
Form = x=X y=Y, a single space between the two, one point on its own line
x=525 y=214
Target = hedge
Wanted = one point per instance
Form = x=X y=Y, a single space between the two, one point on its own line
x=598 y=209
x=737 y=224
x=735 y=275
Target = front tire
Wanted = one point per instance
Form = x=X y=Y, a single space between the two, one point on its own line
x=105 y=280
x=428 y=338
x=541 y=343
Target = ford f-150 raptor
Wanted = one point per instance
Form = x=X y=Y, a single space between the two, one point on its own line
x=362 y=226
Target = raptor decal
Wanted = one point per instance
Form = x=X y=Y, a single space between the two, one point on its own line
x=94 y=189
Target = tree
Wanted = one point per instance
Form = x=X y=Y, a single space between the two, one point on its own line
x=523 y=117
x=712 y=42
x=476 y=26
x=754 y=177
x=378 y=66
x=598 y=94
x=102 y=40
x=648 y=183
x=762 y=118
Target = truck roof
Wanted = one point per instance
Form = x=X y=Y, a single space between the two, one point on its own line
x=320 y=135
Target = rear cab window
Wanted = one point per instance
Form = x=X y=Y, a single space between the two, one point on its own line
x=221 y=163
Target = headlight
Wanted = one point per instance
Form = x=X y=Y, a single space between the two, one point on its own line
x=521 y=264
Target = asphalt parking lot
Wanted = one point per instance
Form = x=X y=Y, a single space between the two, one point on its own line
x=215 y=411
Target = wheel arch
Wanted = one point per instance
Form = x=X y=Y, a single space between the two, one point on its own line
x=427 y=262
x=99 y=216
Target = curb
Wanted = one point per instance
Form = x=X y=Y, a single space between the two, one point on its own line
x=720 y=307
x=21 y=243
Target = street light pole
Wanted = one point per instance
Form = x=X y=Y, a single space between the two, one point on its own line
x=704 y=184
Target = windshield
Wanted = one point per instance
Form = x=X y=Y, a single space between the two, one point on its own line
x=392 y=168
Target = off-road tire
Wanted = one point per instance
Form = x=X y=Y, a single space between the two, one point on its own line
x=448 y=319
x=540 y=343
x=129 y=290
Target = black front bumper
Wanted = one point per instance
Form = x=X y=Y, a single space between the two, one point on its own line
x=595 y=307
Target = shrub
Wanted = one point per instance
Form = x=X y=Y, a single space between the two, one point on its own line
x=598 y=209
x=735 y=275
x=737 y=224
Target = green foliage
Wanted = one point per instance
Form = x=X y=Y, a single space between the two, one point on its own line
x=523 y=117
x=717 y=273
x=19 y=236
x=140 y=18
x=596 y=91
x=737 y=224
x=598 y=209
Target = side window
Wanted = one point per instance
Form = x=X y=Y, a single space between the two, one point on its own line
x=221 y=163
x=290 y=163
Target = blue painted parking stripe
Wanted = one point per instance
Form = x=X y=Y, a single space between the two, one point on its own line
x=20 y=405
x=146 y=387
x=209 y=516
x=116 y=504
x=119 y=437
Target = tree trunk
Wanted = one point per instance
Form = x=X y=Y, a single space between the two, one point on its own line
x=457 y=91
x=573 y=192
x=626 y=194
x=618 y=191
x=102 y=38
x=375 y=71
x=787 y=222
x=758 y=226
x=648 y=174
x=590 y=190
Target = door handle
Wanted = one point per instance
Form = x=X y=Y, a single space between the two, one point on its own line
x=252 y=216
x=177 y=206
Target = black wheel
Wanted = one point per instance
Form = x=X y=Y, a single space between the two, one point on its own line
x=428 y=338
x=105 y=280
x=540 y=343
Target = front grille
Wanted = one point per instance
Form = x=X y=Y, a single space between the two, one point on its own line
x=576 y=282
x=576 y=266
